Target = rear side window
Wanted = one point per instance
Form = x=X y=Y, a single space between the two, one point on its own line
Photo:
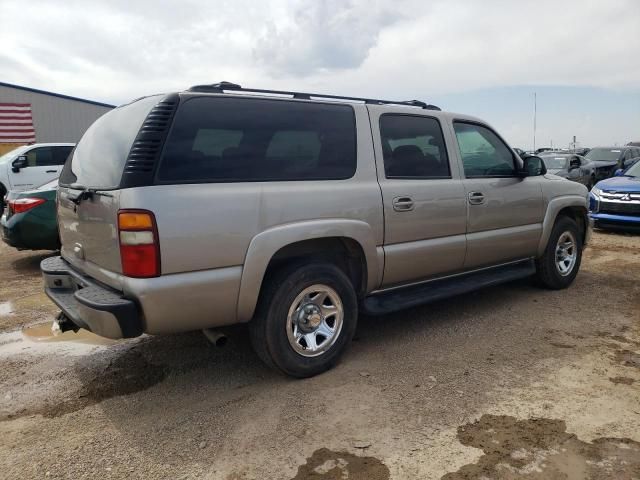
x=413 y=147
x=244 y=140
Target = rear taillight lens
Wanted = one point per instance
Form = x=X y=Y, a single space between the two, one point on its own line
x=139 y=247
x=22 y=205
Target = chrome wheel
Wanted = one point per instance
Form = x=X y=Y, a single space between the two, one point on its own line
x=314 y=320
x=566 y=253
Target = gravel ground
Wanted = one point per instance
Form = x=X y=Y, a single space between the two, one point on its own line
x=509 y=382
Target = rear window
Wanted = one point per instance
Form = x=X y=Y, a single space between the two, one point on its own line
x=244 y=140
x=99 y=158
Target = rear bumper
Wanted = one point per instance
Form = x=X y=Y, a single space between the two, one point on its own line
x=89 y=304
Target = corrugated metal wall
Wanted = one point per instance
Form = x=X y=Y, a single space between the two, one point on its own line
x=55 y=119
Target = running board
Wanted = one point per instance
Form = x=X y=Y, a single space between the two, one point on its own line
x=414 y=295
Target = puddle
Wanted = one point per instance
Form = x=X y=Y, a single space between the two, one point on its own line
x=326 y=464
x=6 y=309
x=39 y=339
x=542 y=449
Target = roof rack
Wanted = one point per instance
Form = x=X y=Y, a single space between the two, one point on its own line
x=233 y=87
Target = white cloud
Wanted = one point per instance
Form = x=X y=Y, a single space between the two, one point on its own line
x=114 y=51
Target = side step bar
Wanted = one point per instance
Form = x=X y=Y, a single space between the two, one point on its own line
x=414 y=295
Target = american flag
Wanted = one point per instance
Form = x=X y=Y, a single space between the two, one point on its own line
x=16 y=123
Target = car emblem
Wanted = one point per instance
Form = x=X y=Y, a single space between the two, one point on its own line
x=626 y=197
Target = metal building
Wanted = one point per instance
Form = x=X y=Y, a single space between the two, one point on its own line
x=37 y=116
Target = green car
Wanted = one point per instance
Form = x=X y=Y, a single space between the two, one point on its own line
x=29 y=219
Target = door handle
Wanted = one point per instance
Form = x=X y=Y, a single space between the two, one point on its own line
x=476 y=198
x=402 y=204
x=52 y=171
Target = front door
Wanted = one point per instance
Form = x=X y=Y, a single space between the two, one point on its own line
x=505 y=210
x=423 y=197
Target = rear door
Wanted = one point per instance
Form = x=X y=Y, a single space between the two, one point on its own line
x=423 y=196
x=505 y=210
x=88 y=227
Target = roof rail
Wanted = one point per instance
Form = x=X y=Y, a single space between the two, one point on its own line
x=234 y=87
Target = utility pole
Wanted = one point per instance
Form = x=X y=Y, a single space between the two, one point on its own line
x=535 y=114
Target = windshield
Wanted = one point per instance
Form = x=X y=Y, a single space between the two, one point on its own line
x=13 y=153
x=555 y=163
x=633 y=171
x=611 y=154
x=99 y=158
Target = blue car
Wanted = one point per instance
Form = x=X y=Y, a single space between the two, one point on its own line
x=615 y=202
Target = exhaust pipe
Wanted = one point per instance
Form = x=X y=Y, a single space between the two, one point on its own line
x=216 y=337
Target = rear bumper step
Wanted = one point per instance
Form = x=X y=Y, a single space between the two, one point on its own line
x=88 y=304
x=401 y=298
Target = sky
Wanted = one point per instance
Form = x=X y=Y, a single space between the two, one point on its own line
x=485 y=58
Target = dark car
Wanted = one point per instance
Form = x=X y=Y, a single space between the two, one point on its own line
x=29 y=219
x=615 y=202
x=572 y=167
x=608 y=159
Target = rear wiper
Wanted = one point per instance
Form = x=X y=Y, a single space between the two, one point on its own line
x=86 y=193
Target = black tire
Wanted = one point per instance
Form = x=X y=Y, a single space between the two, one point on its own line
x=547 y=270
x=268 y=329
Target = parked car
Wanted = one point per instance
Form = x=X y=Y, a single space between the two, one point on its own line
x=608 y=159
x=571 y=167
x=294 y=212
x=26 y=167
x=633 y=144
x=543 y=150
x=615 y=202
x=29 y=220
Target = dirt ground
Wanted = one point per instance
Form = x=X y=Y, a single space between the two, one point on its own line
x=510 y=382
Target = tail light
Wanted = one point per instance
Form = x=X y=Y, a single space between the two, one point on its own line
x=22 y=205
x=139 y=247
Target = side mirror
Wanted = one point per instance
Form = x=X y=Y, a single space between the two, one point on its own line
x=619 y=172
x=18 y=163
x=573 y=164
x=533 y=167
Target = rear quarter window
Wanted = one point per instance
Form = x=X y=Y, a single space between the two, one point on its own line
x=244 y=140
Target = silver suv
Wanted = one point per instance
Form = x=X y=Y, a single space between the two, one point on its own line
x=293 y=212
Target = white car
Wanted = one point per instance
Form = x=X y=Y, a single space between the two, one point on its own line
x=29 y=166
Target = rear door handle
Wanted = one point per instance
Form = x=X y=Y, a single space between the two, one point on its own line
x=476 y=198
x=52 y=171
x=402 y=204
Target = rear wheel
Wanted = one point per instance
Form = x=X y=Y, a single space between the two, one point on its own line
x=306 y=317
x=558 y=266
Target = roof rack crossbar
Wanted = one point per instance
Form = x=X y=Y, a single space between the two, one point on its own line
x=233 y=87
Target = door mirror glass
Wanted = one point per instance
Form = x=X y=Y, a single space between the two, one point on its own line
x=18 y=163
x=619 y=172
x=533 y=167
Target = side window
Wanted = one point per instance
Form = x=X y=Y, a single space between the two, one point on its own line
x=245 y=140
x=483 y=153
x=60 y=154
x=41 y=157
x=413 y=147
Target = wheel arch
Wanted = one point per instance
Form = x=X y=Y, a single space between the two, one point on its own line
x=348 y=243
x=572 y=206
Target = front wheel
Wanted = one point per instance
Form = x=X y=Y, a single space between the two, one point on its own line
x=306 y=317
x=558 y=266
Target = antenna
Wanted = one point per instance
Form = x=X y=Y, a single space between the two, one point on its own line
x=535 y=114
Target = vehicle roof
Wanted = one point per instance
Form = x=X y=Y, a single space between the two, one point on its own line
x=624 y=147
x=387 y=107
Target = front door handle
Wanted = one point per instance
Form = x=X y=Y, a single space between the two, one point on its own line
x=402 y=204
x=476 y=198
x=52 y=171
